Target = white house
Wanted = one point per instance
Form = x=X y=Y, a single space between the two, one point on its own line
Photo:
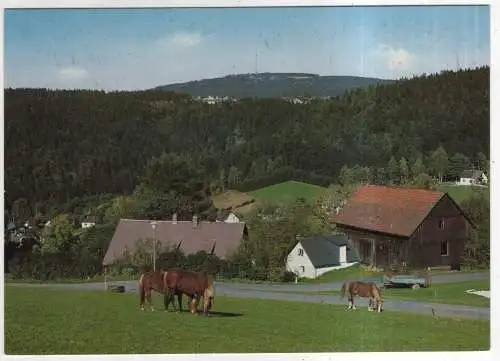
x=315 y=255
x=88 y=224
x=473 y=177
x=227 y=217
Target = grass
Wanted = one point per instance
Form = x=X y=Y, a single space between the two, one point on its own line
x=288 y=190
x=458 y=193
x=449 y=293
x=45 y=321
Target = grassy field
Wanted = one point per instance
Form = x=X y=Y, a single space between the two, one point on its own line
x=44 y=321
x=458 y=193
x=450 y=293
x=288 y=190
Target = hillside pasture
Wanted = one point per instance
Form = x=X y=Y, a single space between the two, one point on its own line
x=232 y=198
x=288 y=190
x=461 y=193
x=46 y=321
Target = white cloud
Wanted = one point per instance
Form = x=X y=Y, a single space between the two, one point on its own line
x=72 y=73
x=395 y=59
x=185 y=39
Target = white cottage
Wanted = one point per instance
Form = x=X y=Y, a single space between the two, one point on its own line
x=473 y=177
x=312 y=256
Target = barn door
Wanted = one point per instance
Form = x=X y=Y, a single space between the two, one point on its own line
x=343 y=254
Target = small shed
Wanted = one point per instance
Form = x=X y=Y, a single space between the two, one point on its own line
x=314 y=255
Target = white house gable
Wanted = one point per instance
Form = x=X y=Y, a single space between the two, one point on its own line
x=298 y=262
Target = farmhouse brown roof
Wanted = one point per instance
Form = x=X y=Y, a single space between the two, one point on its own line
x=390 y=210
x=222 y=237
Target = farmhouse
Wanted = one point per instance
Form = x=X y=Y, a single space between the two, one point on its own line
x=312 y=256
x=473 y=177
x=216 y=238
x=393 y=226
x=227 y=217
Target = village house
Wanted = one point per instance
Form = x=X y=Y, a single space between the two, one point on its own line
x=473 y=177
x=227 y=216
x=217 y=238
x=402 y=226
x=314 y=255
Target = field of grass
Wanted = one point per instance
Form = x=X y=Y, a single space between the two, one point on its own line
x=458 y=193
x=44 y=321
x=450 y=293
x=288 y=190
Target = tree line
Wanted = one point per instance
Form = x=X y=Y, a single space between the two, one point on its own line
x=67 y=145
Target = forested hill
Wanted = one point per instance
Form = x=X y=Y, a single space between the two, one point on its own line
x=65 y=144
x=272 y=85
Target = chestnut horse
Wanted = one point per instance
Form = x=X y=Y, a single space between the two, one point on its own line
x=362 y=289
x=148 y=282
x=192 y=284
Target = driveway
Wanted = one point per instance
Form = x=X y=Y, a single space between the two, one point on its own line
x=278 y=292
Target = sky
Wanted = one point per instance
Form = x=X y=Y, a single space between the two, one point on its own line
x=133 y=49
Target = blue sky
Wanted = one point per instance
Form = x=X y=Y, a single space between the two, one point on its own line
x=138 y=48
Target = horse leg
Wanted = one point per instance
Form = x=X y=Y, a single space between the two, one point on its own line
x=148 y=296
x=351 y=302
x=193 y=305
x=167 y=298
x=179 y=299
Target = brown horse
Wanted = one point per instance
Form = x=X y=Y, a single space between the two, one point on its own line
x=148 y=282
x=362 y=289
x=192 y=284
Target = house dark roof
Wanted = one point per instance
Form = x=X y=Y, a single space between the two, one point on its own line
x=224 y=236
x=472 y=174
x=389 y=210
x=323 y=251
x=223 y=214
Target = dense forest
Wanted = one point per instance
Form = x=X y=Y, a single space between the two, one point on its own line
x=150 y=154
x=271 y=85
x=65 y=144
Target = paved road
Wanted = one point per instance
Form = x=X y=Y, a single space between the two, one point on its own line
x=279 y=292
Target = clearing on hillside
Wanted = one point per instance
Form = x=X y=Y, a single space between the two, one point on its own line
x=288 y=190
x=230 y=198
x=44 y=321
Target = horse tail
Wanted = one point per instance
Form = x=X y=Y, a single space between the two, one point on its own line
x=376 y=293
x=210 y=290
x=165 y=274
x=343 y=290
x=142 y=290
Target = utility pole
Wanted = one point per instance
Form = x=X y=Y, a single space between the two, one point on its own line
x=153 y=225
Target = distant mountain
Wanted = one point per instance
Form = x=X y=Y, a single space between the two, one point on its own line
x=271 y=85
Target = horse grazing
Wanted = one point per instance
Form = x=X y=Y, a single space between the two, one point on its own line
x=362 y=289
x=192 y=284
x=148 y=282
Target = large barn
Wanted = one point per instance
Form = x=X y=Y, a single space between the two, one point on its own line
x=394 y=226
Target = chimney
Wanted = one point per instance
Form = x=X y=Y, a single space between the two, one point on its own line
x=195 y=221
x=174 y=218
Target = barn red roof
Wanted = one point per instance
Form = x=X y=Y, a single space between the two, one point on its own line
x=390 y=210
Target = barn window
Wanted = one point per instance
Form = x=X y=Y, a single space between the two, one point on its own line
x=444 y=248
x=302 y=269
x=441 y=224
x=301 y=252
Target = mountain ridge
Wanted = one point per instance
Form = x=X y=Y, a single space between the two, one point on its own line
x=272 y=85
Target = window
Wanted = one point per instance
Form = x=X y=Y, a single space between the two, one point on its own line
x=301 y=252
x=444 y=248
x=441 y=224
x=302 y=269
